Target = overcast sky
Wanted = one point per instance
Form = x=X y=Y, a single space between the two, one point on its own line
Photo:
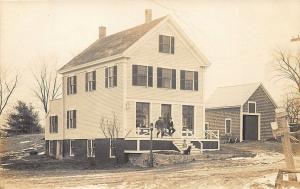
x=238 y=37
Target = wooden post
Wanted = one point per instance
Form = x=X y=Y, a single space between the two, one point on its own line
x=287 y=148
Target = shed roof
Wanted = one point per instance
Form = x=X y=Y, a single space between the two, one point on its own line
x=112 y=45
x=231 y=96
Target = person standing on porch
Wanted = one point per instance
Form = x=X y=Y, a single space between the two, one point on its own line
x=159 y=124
x=170 y=127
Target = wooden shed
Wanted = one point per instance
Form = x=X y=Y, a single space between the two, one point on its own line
x=242 y=112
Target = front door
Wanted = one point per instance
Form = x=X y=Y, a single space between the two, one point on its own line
x=250 y=127
x=59 y=148
x=166 y=112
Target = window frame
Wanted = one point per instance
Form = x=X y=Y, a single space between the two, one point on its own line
x=160 y=78
x=252 y=102
x=193 y=120
x=111 y=76
x=225 y=124
x=170 y=45
x=91 y=149
x=51 y=152
x=71 y=85
x=149 y=78
x=53 y=128
x=195 y=83
x=142 y=103
x=71 y=120
x=72 y=154
x=90 y=81
x=110 y=149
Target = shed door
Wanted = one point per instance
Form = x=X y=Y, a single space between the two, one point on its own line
x=250 y=127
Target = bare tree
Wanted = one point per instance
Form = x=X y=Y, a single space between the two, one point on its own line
x=288 y=67
x=292 y=106
x=111 y=130
x=7 y=87
x=48 y=86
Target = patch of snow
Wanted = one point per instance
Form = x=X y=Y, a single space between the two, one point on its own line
x=24 y=142
x=42 y=153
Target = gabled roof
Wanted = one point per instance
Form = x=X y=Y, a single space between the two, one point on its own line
x=233 y=96
x=112 y=45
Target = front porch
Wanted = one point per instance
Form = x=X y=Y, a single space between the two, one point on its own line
x=140 y=143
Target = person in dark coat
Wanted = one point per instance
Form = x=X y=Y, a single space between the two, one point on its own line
x=159 y=124
x=170 y=127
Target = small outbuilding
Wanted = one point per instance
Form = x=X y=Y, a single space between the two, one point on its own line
x=242 y=112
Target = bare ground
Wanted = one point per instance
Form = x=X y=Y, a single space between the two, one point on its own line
x=232 y=167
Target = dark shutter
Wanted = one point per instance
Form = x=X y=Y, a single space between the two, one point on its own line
x=160 y=48
x=159 y=77
x=94 y=78
x=68 y=119
x=173 y=79
x=115 y=76
x=50 y=126
x=75 y=84
x=150 y=76
x=56 y=124
x=74 y=118
x=134 y=74
x=196 y=81
x=182 y=79
x=86 y=81
x=172 y=45
x=68 y=85
x=106 y=77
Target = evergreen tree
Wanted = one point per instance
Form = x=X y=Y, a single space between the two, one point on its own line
x=24 y=119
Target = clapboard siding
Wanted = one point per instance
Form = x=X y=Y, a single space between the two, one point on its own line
x=216 y=119
x=92 y=106
x=266 y=108
x=182 y=59
x=55 y=109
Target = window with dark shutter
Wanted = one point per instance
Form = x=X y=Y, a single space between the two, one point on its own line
x=50 y=125
x=94 y=80
x=196 y=81
x=150 y=76
x=111 y=75
x=173 y=79
x=86 y=81
x=166 y=44
x=159 y=77
x=90 y=81
x=75 y=85
x=68 y=85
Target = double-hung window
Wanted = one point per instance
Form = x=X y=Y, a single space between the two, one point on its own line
x=188 y=117
x=90 y=81
x=166 y=78
x=71 y=85
x=91 y=148
x=112 y=149
x=251 y=107
x=142 y=75
x=71 y=119
x=111 y=75
x=188 y=80
x=72 y=147
x=142 y=114
x=166 y=44
x=227 y=126
x=53 y=128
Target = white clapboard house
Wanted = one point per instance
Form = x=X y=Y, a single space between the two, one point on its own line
x=131 y=78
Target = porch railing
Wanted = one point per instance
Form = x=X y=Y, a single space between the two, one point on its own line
x=212 y=134
x=187 y=132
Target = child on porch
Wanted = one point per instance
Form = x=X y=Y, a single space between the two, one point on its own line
x=159 y=124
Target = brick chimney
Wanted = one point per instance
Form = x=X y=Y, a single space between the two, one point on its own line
x=148 y=15
x=102 y=32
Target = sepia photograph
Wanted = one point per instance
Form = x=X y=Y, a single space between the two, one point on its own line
x=150 y=94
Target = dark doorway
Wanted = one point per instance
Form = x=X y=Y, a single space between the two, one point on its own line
x=250 y=127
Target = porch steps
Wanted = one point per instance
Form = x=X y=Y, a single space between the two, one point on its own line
x=179 y=144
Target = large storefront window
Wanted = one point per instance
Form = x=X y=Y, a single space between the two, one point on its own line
x=188 y=117
x=142 y=114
